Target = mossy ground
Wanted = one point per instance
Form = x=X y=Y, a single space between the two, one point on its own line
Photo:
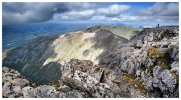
x=135 y=83
x=161 y=57
x=175 y=75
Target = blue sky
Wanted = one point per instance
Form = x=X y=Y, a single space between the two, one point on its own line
x=142 y=12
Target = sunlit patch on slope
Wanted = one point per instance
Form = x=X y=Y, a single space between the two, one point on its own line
x=74 y=46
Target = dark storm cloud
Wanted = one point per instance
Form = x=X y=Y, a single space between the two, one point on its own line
x=30 y=12
x=40 y=12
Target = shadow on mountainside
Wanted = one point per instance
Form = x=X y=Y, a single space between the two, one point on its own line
x=29 y=60
x=107 y=41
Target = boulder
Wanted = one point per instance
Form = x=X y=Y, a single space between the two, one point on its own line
x=7 y=89
x=168 y=79
x=5 y=69
x=28 y=92
x=19 y=82
x=88 y=84
x=174 y=54
x=139 y=43
x=157 y=71
x=17 y=89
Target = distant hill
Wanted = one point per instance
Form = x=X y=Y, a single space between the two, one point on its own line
x=123 y=31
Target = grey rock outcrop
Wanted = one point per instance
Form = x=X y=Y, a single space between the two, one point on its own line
x=152 y=58
x=79 y=79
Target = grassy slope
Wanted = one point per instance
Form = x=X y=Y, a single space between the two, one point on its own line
x=41 y=60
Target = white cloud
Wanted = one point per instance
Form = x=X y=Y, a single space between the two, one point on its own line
x=101 y=18
x=75 y=15
x=113 y=10
x=96 y=13
x=137 y=18
x=116 y=19
x=159 y=12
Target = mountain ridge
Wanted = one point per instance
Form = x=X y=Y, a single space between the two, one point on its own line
x=36 y=58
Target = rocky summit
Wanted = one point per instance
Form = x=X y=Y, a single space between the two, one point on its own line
x=152 y=58
x=96 y=63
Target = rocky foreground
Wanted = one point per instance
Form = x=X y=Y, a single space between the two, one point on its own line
x=80 y=79
x=152 y=58
x=145 y=66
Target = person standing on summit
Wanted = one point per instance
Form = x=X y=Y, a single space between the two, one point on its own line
x=157 y=26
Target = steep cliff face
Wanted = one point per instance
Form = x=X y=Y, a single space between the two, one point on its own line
x=41 y=60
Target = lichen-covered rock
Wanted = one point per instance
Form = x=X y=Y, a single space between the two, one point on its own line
x=139 y=43
x=5 y=69
x=19 y=82
x=88 y=84
x=157 y=71
x=17 y=89
x=6 y=89
x=97 y=81
x=151 y=57
x=27 y=92
x=168 y=80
